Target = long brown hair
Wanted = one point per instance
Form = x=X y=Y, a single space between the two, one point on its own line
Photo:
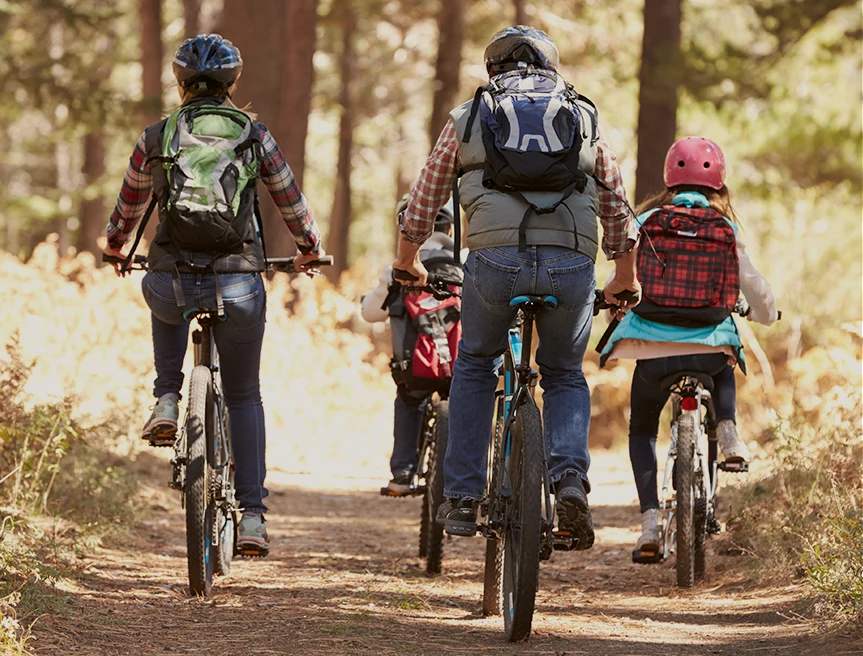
x=204 y=91
x=720 y=200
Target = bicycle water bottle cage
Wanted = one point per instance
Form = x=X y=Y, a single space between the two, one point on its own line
x=534 y=303
x=687 y=381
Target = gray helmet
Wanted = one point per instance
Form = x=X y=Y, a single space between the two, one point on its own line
x=522 y=43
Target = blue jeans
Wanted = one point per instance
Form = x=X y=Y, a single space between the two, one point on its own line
x=238 y=339
x=492 y=278
x=647 y=400
x=409 y=408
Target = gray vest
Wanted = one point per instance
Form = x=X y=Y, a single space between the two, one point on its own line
x=494 y=216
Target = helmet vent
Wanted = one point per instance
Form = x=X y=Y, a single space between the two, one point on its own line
x=707 y=165
x=681 y=163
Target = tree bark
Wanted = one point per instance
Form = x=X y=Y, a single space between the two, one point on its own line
x=151 y=61
x=338 y=238
x=92 y=214
x=191 y=15
x=520 y=15
x=450 y=23
x=657 y=95
x=278 y=87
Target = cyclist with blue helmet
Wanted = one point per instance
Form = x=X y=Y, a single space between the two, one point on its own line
x=208 y=250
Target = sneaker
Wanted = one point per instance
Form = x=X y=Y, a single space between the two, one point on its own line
x=733 y=448
x=401 y=484
x=252 y=537
x=573 y=513
x=161 y=427
x=458 y=516
x=650 y=537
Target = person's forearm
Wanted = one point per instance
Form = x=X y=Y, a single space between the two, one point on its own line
x=407 y=254
x=625 y=269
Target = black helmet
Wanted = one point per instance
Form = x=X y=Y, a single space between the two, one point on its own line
x=442 y=222
x=522 y=43
x=207 y=57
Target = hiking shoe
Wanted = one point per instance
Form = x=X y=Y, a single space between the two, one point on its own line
x=650 y=537
x=733 y=448
x=252 y=537
x=401 y=484
x=573 y=513
x=161 y=427
x=458 y=516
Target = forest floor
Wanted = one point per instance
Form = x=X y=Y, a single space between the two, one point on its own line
x=343 y=578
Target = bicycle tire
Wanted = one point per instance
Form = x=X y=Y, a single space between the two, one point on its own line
x=492 y=571
x=523 y=532
x=424 y=465
x=434 y=551
x=199 y=509
x=684 y=473
x=225 y=524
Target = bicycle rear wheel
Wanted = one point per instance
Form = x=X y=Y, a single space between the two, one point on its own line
x=424 y=472
x=491 y=600
x=225 y=524
x=523 y=524
x=199 y=505
x=434 y=498
x=684 y=483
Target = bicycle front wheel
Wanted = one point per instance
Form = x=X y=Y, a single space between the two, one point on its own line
x=199 y=506
x=684 y=483
x=523 y=524
x=434 y=498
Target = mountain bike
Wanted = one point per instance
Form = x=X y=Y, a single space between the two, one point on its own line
x=203 y=465
x=687 y=501
x=434 y=433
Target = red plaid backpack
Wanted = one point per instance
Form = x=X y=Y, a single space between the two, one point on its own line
x=688 y=267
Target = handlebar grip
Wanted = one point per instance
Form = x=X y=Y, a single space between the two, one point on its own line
x=435 y=279
x=404 y=276
x=626 y=296
x=326 y=260
x=113 y=259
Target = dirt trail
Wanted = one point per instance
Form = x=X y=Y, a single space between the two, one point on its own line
x=344 y=579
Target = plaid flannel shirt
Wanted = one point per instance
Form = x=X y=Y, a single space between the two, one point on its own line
x=434 y=185
x=275 y=174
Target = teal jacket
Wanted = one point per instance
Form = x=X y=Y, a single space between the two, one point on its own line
x=634 y=327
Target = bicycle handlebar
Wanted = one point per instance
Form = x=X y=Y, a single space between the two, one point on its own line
x=436 y=284
x=138 y=261
x=286 y=264
x=599 y=302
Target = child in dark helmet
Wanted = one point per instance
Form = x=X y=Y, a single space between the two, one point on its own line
x=207 y=68
x=409 y=404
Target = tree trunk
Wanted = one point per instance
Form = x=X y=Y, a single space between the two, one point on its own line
x=151 y=61
x=92 y=214
x=520 y=15
x=657 y=95
x=278 y=88
x=338 y=238
x=191 y=15
x=450 y=23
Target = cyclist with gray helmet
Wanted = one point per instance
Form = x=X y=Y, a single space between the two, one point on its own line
x=515 y=251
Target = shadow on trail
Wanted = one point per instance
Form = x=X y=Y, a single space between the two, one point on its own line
x=344 y=579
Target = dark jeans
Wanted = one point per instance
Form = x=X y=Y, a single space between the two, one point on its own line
x=238 y=340
x=409 y=408
x=647 y=400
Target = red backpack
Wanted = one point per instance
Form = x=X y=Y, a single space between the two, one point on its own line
x=426 y=331
x=688 y=267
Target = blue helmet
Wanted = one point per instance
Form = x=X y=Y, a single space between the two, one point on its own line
x=522 y=43
x=207 y=57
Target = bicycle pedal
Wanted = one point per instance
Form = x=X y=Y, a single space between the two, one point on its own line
x=564 y=540
x=644 y=557
x=252 y=552
x=734 y=467
x=163 y=441
x=413 y=492
x=175 y=486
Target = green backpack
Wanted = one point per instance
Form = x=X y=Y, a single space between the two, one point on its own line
x=211 y=158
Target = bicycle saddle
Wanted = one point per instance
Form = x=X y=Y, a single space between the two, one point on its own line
x=534 y=303
x=672 y=380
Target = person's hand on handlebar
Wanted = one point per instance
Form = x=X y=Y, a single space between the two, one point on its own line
x=302 y=259
x=407 y=269
x=614 y=287
x=116 y=252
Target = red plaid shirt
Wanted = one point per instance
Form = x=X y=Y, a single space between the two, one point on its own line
x=433 y=188
x=275 y=174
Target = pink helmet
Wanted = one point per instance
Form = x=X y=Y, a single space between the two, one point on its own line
x=694 y=161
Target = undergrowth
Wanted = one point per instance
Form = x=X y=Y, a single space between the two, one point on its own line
x=805 y=520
